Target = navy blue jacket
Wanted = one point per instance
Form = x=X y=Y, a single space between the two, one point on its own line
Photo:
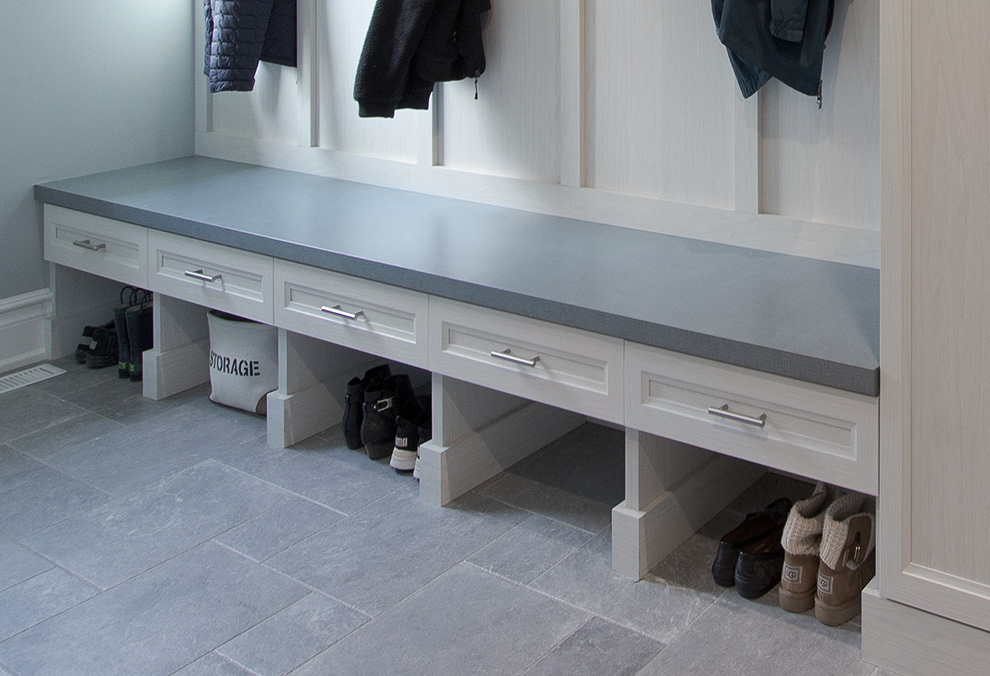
x=413 y=44
x=784 y=39
x=239 y=33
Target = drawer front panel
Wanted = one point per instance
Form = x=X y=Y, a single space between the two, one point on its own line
x=214 y=276
x=796 y=427
x=544 y=362
x=368 y=316
x=100 y=246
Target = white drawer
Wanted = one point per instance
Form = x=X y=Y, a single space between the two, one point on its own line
x=368 y=316
x=557 y=365
x=211 y=275
x=100 y=246
x=810 y=430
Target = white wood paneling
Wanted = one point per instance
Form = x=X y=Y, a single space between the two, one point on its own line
x=343 y=25
x=661 y=102
x=572 y=87
x=625 y=113
x=512 y=129
x=269 y=112
x=935 y=472
x=824 y=165
x=951 y=265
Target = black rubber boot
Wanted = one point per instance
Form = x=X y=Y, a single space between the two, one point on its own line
x=140 y=334
x=354 y=403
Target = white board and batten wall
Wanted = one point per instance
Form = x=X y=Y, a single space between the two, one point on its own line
x=624 y=112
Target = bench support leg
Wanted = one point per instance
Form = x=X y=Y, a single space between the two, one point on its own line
x=312 y=382
x=180 y=358
x=478 y=432
x=672 y=490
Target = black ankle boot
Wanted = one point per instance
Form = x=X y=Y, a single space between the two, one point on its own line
x=379 y=425
x=408 y=406
x=354 y=403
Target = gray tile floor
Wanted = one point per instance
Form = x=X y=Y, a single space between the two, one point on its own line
x=141 y=537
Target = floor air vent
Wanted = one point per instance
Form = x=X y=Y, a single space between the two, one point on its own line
x=34 y=374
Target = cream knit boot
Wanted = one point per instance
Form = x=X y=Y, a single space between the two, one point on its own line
x=848 y=558
x=801 y=541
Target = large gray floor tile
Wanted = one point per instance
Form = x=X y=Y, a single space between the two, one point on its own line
x=576 y=480
x=14 y=465
x=49 y=442
x=554 y=503
x=659 y=610
x=376 y=557
x=132 y=457
x=588 y=461
x=18 y=564
x=289 y=638
x=25 y=411
x=76 y=377
x=38 y=598
x=324 y=470
x=464 y=622
x=530 y=549
x=155 y=623
x=760 y=638
x=123 y=537
x=124 y=401
x=597 y=648
x=34 y=496
x=278 y=528
x=212 y=665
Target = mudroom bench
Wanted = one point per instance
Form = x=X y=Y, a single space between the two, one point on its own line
x=718 y=361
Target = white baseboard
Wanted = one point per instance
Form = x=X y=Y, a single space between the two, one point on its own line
x=23 y=329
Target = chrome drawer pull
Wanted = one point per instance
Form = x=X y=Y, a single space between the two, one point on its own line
x=86 y=244
x=724 y=412
x=198 y=274
x=507 y=355
x=340 y=312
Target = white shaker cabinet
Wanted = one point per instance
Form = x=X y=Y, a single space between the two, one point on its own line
x=930 y=608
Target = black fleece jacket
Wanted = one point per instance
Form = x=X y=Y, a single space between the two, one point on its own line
x=413 y=44
x=784 y=39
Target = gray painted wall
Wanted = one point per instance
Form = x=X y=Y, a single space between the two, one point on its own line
x=85 y=87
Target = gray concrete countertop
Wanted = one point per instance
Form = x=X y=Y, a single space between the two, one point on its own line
x=812 y=320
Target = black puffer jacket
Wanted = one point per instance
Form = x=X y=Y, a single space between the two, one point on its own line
x=413 y=44
x=239 y=33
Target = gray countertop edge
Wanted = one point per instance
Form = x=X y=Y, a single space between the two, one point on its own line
x=815 y=370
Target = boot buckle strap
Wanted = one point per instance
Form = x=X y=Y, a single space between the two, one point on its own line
x=852 y=554
x=383 y=405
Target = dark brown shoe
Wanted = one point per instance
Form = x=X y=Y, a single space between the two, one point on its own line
x=759 y=563
x=755 y=526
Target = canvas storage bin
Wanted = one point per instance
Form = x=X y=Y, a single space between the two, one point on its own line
x=243 y=361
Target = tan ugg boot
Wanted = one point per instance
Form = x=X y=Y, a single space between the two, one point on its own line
x=848 y=558
x=801 y=541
